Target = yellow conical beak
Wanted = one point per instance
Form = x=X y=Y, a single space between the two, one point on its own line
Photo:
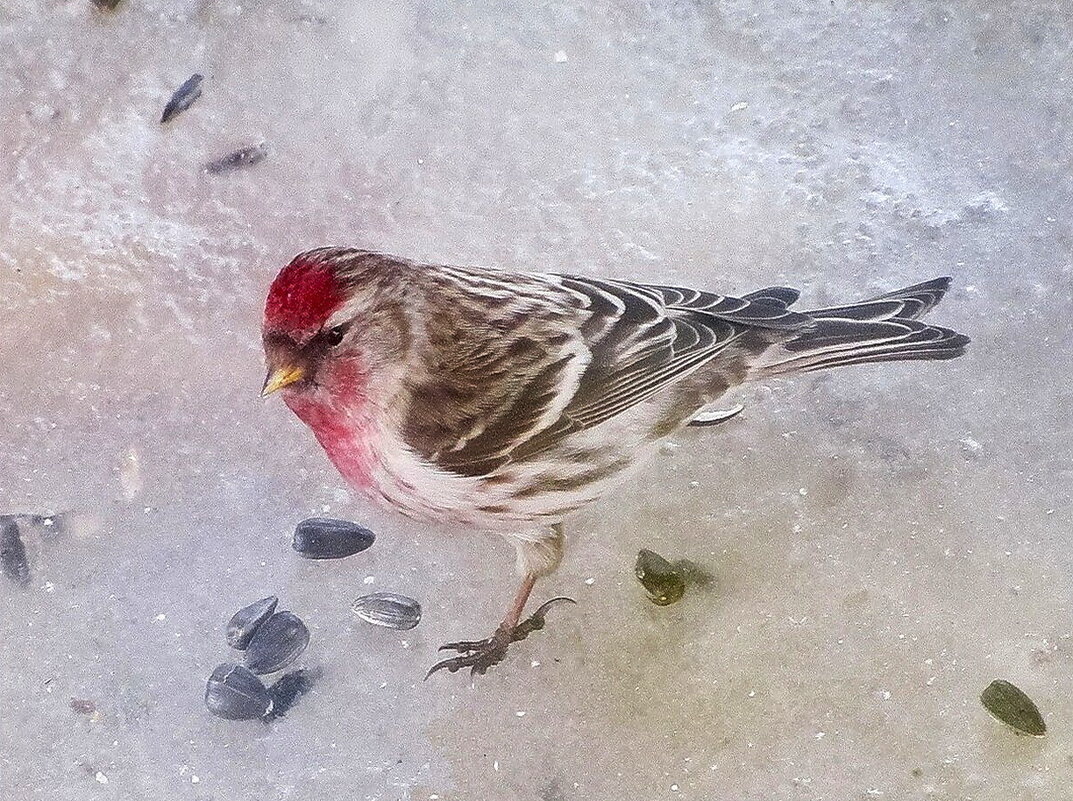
x=281 y=377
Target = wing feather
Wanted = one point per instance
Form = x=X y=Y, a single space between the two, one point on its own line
x=618 y=344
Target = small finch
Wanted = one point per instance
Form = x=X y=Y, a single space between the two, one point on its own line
x=505 y=401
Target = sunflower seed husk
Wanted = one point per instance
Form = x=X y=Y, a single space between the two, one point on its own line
x=277 y=643
x=234 y=693
x=245 y=622
x=183 y=97
x=388 y=609
x=243 y=157
x=662 y=581
x=716 y=416
x=13 y=561
x=1010 y=705
x=326 y=538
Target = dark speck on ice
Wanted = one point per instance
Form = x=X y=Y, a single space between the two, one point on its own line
x=244 y=157
x=13 y=562
x=183 y=98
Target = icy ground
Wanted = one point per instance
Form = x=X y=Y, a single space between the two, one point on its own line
x=885 y=540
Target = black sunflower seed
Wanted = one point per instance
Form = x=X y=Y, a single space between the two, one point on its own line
x=234 y=693
x=183 y=97
x=277 y=643
x=326 y=538
x=245 y=622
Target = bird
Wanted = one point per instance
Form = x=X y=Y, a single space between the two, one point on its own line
x=505 y=401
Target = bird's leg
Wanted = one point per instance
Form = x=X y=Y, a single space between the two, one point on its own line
x=479 y=655
x=536 y=559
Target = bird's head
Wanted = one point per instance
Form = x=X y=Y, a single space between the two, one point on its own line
x=332 y=320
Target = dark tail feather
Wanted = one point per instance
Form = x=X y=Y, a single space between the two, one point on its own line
x=784 y=294
x=910 y=303
x=881 y=329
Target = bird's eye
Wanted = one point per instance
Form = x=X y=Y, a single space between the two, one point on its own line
x=335 y=335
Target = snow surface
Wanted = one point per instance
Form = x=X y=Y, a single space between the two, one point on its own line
x=885 y=540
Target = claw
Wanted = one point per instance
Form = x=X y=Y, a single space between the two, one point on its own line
x=536 y=621
x=544 y=607
x=479 y=655
x=449 y=664
x=464 y=646
x=479 y=660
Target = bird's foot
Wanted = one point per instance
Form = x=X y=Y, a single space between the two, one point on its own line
x=479 y=655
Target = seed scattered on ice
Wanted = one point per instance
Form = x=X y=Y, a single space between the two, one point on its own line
x=739 y=107
x=243 y=157
x=277 y=643
x=234 y=693
x=183 y=98
x=662 y=581
x=327 y=538
x=388 y=609
x=245 y=622
x=1010 y=705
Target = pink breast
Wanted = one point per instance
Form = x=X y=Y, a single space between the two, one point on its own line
x=343 y=435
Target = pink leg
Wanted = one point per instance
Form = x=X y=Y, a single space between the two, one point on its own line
x=520 y=599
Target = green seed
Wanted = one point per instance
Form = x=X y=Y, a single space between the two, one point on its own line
x=1013 y=707
x=662 y=581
